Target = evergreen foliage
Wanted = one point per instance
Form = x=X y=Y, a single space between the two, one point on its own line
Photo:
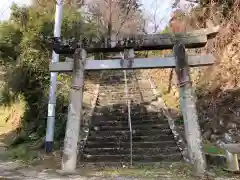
x=25 y=58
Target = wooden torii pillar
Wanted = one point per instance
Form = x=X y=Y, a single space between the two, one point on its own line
x=180 y=61
x=189 y=111
x=70 y=152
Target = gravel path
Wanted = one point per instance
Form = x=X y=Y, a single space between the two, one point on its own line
x=15 y=171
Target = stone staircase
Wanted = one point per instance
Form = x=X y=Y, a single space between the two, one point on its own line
x=109 y=138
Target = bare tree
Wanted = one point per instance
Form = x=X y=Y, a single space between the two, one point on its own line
x=185 y=4
x=113 y=19
x=156 y=16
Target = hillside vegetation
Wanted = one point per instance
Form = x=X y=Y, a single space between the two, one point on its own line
x=25 y=57
x=217 y=87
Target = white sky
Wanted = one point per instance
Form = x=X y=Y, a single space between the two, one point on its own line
x=5 y=7
x=161 y=8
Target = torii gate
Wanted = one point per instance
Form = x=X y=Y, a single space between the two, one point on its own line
x=180 y=61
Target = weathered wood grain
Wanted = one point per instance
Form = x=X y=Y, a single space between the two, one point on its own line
x=192 y=39
x=148 y=42
x=70 y=152
x=189 y=111
x=138 y=63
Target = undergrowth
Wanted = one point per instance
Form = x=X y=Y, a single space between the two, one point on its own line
x=25 y=56
x=167 y=170
x=10 y=116
x=212 y=149
x=21 y=152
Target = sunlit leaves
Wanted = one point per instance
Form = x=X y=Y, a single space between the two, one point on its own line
x=26 y=58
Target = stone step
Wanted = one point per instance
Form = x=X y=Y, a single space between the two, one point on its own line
x=109 y=138
x=124 y=112
x=126 y=127
x=119 y=89
x=147 y=97
x=126 y=138
x=108 y=122
x=134 y=118
x=148 y=117
x=127 y=164
x=123 y=105
x=124 y=119
x=108 y=102
x=155 y=144
x=126 y=158
x=108 y=97
x=122 y=115
x=115 y=82
x=116 y=151
x=135 y=132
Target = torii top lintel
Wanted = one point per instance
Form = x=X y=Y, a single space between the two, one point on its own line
x=193 y=39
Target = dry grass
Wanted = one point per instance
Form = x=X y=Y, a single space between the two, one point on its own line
x=10 y=117
x=165 y=171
